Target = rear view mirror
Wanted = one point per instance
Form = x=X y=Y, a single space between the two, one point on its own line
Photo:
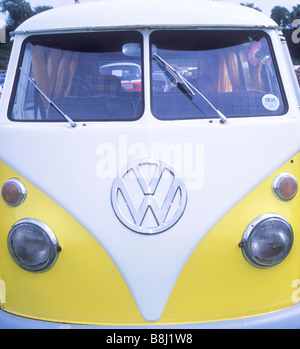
x=132 y=49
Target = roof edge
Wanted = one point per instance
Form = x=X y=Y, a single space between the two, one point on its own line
x=140 y=27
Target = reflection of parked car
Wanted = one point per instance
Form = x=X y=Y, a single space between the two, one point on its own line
x=159 y=82
x=129 y=74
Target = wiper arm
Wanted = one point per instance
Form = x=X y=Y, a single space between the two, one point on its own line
x=186 y=85
x=220 y=114
x=72 y=123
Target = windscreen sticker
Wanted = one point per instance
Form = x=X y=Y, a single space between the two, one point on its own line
x=270 y=102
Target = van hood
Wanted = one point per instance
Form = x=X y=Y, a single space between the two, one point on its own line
x=214 y=166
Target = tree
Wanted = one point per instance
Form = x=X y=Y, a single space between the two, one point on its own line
x=281 y=16
x=18 y=11
x=284 y=18
x=251 y=5
x=39 y=9
x=295 y=13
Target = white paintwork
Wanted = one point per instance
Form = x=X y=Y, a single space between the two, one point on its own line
x=232 y=158
x=136 y=13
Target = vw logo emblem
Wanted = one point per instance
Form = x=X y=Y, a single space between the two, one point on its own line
x=148 y=196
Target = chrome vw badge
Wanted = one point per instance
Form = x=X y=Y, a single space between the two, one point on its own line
x=148 y=196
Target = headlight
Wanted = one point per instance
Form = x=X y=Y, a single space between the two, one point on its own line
x=267 y=240
x=33 y=245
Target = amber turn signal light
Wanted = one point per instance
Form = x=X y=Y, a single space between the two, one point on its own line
x=285 y=186
x=13 y=192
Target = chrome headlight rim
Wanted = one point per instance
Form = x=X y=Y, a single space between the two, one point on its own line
x=245 y=244
x=55 y=248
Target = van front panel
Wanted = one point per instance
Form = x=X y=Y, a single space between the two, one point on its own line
x=144 y=181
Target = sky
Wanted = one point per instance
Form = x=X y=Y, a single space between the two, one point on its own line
x=265 y=5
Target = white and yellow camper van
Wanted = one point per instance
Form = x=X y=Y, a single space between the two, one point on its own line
x=170 y=205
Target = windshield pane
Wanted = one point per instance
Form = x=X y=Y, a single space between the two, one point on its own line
x=86 y=75
x=233 y=70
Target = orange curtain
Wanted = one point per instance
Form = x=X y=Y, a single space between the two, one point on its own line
x=39 y=64
x=72 y=70
x=54 y=70
x=62 y=74
x=229 y=79
x=233 y=70
x=257 y=81
x=224 y=80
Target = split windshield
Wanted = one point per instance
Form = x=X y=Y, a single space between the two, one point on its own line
x=90 y=77
x=86 y=76
x=233 y=70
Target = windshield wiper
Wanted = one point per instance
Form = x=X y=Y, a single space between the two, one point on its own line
x=178 y=79
x=186 y=86
x=72 y=123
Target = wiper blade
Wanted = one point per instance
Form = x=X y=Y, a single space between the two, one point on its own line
x=72 y=123
x=186 y=86
x=178 y=78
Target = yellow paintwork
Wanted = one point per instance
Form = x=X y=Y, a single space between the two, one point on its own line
x=217 y=283
x=84 y=286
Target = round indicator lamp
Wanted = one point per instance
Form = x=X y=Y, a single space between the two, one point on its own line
x=285 y=186
x=13 y=192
